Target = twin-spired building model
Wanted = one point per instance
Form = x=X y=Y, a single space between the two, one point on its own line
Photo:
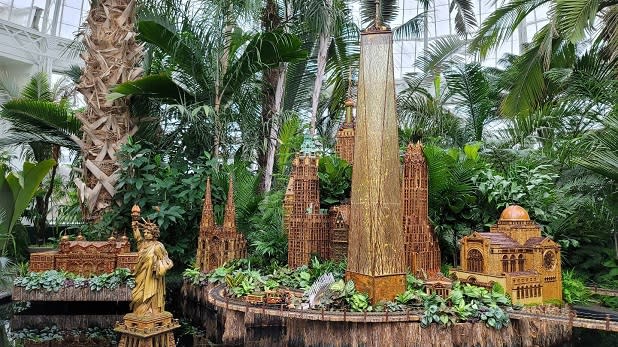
x=515 y=255
x=218 y=244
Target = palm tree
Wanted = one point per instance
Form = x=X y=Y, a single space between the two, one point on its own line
x=603 y=158
x=568 y=24
x=111 y=57
x=44 y=125
x=210 y=63
x=447 y=100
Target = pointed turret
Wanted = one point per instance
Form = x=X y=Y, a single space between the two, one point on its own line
x=208 y=216
x=229 y=219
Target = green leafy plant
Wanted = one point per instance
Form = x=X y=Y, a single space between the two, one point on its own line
x=16 y=193
x=574 y=289
x=335 y=176
x=53 y=281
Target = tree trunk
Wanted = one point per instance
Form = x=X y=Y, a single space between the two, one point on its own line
x=42 y=202
x=111 y=57
x=324 y=43
x=272 y=92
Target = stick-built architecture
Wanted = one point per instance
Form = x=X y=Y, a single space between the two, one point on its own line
x=515 y=255
x=218 y=244
x=86 y=258
x=385 y=231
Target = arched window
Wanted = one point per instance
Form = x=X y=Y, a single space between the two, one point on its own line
x=475 y=261
x=513 y=263
x=505 y=263
x=520 y=260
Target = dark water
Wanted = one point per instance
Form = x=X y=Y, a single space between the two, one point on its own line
x=62 y=324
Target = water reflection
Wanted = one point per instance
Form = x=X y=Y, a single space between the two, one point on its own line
x=74 y=325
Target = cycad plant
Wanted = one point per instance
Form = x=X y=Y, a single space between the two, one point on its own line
x=44 y=126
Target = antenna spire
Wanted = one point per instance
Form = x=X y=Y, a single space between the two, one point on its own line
x=378 y=21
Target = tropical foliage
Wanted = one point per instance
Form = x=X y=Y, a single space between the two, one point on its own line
x=16 y=193
x=53 y=281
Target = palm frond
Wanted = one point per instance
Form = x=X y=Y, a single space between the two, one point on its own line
x=265 y=50
x=388 y=11
x=154 y=86
x=45 y=120
x=74 y=73
x=502 y=23
x=412 y=28
x=440 y=52
x=37 y=88
x=465 y=19
x=575 y=17
x=528 y=88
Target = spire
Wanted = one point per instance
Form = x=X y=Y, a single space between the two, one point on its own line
x=208 y=217
x=309 y=146
x=229 y=220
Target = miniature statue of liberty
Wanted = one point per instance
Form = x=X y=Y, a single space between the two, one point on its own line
x=148 y=296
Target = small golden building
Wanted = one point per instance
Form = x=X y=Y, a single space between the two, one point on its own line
x=86 y=258
x=515 y=255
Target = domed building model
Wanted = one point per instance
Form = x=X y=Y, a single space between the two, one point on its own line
x=515 y=255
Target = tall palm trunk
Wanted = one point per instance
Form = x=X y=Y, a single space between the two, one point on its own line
x=111 y=58
x=324 y=40
x=271 y=105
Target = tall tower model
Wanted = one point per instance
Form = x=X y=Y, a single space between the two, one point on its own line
x=375 y=248
x=421 y=248
x=345 y=135
x=207 y=224
x=219 y=244
x=306 y=224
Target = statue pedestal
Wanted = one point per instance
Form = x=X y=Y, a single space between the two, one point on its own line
x=147 y=330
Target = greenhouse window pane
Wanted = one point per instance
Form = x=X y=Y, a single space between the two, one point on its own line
x=71 y=16
x=68 y=31
x=74 y=3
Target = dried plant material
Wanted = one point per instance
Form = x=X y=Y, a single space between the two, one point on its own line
x=112 y=56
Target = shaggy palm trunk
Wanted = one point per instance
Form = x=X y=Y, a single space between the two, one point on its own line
x=112 y=56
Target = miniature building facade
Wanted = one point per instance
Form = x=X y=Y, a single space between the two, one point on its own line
x=421 y=248
x=310 y=232
x=515 y=255
x=86 y=258
x=345 y=135
x=305 y=223
x=339 y=228
x=218 y=244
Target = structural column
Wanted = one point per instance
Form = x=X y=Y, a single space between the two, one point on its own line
x=376 y=243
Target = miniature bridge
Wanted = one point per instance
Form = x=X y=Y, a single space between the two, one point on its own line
x=579 y=319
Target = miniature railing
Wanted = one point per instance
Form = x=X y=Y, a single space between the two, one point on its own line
x=587 y=320
x=596 y=289
x=218 y=297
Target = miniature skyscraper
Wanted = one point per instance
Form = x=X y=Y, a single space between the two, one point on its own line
x=345 y=134
x=376 y=242
x=306 y=225
x=422 y=251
